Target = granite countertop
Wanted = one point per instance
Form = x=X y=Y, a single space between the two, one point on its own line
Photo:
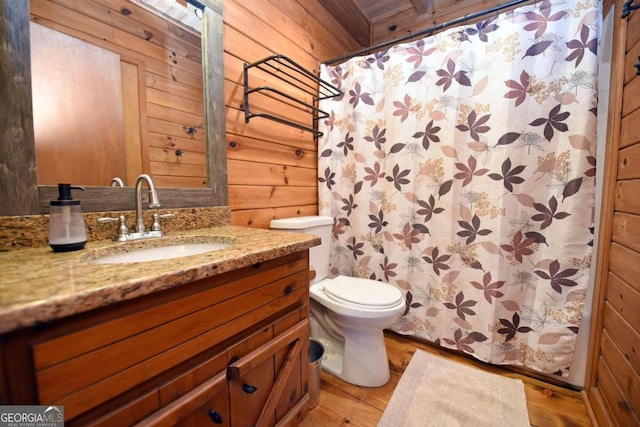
x=38 y=285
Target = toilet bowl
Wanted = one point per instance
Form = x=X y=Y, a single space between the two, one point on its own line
x=348 y=314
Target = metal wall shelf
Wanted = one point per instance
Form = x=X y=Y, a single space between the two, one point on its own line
x=298 y=78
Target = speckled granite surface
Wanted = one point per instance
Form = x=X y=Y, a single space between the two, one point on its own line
x=38 y=285
x=32 y=231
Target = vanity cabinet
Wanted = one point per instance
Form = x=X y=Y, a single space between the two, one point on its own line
x=229 y=350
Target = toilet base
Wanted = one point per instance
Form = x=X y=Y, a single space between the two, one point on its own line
x=358 y=357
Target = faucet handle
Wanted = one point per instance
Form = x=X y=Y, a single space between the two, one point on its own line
x=122 y=228
x=156 y=220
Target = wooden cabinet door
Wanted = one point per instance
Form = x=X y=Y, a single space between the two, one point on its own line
x=259 y=377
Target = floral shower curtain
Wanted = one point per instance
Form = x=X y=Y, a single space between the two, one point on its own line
x=461 y=168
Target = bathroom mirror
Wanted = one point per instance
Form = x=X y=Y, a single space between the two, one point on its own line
x=19 y=192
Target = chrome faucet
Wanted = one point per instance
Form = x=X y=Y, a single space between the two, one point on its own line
x=154 y=202
x=117 y=182
x=123 y=234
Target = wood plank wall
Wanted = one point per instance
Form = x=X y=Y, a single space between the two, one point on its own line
x=272 y=168
x=168 y=60
x=613 y=388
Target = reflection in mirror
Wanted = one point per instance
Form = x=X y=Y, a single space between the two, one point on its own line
x=73 y=145
x=117 y=94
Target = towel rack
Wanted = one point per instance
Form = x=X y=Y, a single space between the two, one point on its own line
x=295 y=76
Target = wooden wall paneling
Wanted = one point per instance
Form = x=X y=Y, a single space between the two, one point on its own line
x=625 y=228
x=189 y=133
x=102 y=34
x=628 y=196
x=254 y=197
x=182 y=118
x=194 y=149
x=629 y=162
x=256 y=150
x=625 y=263
x=293 y=30
x=135 y=20
x=261 y=218
x=188 y=95
x=625 y=298
x=626 y=377
x=260 y=23
x=176 y=168
x=600 y=412
x=633 y=31
x=630 y=71
x=265 y=129
x=631 y=103
x=614 y=398
x=185 y=158
x=180 y=103
x=190 y=91
x=240 y=46
x=623 y=334
x=179 y=182
x=266 y=174
x=329 y=37
x=630 y=129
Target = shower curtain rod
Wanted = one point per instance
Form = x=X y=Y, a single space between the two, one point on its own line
x=427 y=31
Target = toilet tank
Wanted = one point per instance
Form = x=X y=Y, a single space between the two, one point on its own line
x=320 y=226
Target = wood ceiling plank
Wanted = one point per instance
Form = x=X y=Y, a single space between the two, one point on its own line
x=351 y=17
x=422 y=6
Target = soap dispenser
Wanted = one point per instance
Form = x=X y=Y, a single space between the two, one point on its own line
x=66 y=225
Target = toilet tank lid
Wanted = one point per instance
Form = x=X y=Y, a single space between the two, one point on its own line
x=300 y=222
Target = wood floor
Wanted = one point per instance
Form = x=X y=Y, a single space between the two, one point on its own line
x=345 y=404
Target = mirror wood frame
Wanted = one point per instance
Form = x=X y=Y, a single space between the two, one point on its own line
x=19 y=192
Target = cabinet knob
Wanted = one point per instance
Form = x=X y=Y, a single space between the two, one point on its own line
x=215 y=416
x=249 y=388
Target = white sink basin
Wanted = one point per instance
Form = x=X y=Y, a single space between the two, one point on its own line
x=163 y=248
x=164 y=252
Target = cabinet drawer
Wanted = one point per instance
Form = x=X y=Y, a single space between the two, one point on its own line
x=206 y=404
x=130 y=413
x=186 y=382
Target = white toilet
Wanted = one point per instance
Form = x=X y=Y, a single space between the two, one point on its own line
x=348 y=314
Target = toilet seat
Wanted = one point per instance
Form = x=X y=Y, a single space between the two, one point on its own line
x=362 y=293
